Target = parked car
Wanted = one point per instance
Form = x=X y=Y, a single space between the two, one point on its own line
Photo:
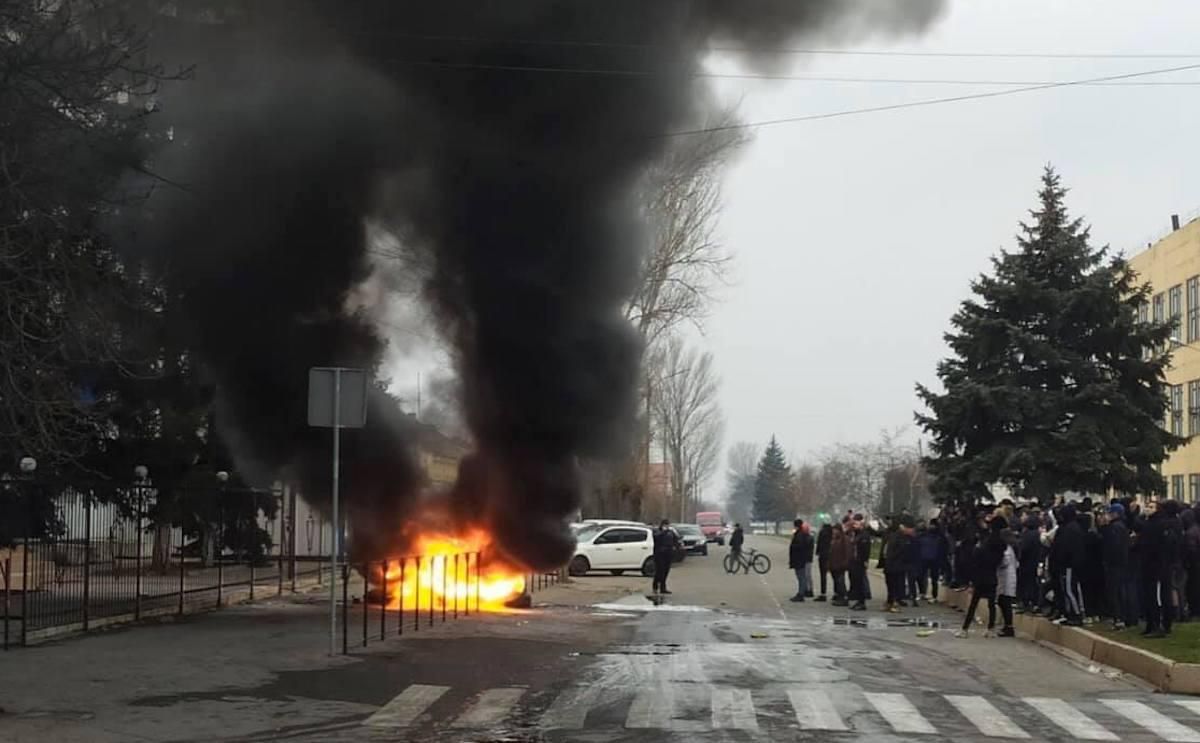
x=615 y=548
x=693 y=538
x=712 y=523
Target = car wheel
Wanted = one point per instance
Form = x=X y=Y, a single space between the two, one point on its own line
x=648 y=567
x=617 y=573
x=704 y=552
x=579 y=566
x=720 y=542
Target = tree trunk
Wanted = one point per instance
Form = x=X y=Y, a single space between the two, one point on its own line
x=160 y=554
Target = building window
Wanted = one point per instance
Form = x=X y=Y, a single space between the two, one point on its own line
x=1159 y=313
x=1177 y=409
x=1194 y=408
x=1193 y=488
x=1177 y=487
x=1193 y=309
x=1175 y=310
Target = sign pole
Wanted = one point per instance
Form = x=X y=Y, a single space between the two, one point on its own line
x=337 y=522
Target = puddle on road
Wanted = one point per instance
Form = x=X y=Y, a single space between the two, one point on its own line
x=638 y=602
x=866 y=623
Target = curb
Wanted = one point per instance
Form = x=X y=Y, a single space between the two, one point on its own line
x=1163 y=673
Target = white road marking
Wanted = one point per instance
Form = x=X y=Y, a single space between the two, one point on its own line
x=490 y=708
x=653 y=707
x=1070 y=719
x=733 y=708
x=1190 y=705
x=900 y=713
x=1154 y=721
x=815 y=710
x=570 y=710
x=406 y=707
x=984 y=716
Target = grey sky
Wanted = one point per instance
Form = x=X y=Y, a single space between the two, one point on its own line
x=856 y=238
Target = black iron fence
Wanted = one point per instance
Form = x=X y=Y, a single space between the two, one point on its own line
x=95 y=560
x=410 y=592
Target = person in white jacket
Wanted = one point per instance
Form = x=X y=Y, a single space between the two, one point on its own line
x=1006 y=585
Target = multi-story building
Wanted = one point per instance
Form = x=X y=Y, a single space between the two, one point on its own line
x=1172 y=268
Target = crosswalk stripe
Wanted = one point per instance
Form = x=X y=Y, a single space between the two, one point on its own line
x=1190 y=705
x=900 y=713
x=1154 y=721
x=733 y=709
x=570 y=709
x=1070 y=719
x=653 y=708
x=406 y=707
x=490 y=708
x=984 y=716
x=815 y=710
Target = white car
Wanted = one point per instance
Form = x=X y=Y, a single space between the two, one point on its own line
x=615 y=548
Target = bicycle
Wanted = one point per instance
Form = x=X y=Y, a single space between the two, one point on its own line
x=746 y=561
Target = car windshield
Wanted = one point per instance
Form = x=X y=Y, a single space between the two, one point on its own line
x=587 y=532
x=688 y=530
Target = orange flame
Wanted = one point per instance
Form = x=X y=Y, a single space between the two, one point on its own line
x=452 y=571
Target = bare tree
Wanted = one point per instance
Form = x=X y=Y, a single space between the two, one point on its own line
x=740 y=473
x=685 y=262
x=687 y=416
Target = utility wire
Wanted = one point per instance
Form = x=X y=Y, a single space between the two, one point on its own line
x=781 y=50
x=927 y=102
x=802 y=78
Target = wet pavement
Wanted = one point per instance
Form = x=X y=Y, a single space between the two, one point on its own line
x=724 y=658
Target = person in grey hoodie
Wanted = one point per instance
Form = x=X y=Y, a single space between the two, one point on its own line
x=1006 y=577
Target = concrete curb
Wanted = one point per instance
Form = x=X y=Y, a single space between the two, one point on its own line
x=1162 y=673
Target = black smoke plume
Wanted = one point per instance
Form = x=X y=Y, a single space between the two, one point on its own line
x=502 y=143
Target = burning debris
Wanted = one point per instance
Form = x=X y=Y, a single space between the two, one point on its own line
x=502 y=144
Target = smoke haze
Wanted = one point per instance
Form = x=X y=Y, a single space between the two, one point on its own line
x=511 y=184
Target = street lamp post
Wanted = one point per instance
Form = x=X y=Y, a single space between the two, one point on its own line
x=141 y=473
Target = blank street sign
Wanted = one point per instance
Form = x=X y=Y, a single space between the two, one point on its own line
x=353 y=412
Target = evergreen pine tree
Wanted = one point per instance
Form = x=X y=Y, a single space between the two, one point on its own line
x=771 y=502
x=1053 y=384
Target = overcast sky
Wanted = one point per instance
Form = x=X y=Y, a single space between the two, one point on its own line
x=856 y=238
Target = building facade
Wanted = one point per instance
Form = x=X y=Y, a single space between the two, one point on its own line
x=1172 y=268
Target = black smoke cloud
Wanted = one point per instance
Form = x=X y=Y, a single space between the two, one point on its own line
x=515 y=184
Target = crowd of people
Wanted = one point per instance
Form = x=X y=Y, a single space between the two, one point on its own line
x=1077 y=563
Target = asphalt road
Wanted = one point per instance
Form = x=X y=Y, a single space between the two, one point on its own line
x=724 y=658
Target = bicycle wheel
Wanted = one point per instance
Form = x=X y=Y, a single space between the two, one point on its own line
x=761 y=564
x=731 y=563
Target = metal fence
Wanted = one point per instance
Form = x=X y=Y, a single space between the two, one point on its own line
x=410 y=592
x=105 y=561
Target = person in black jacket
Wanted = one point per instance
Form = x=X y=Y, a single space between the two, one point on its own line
x=737 y=539
x=1029 y=556
x=859 y=559
x=1114 y=536
x=824 y=541
x=1161 y=542
x=1067 y=554
x=664 y=553
x=895 y=563
x=800 y=555
x=984 y=578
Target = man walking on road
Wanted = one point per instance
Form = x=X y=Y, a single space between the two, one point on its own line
x=824 y=542
x=800 y=555
x=664 y=552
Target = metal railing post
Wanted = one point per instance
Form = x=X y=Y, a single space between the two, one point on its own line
x=345 y=608
x=456 y=585
x=400 y=596
x=365 y=604
x=87 y=558
x=431 y=579
x=417 y=596
x=219 y=547
x=383 y=602
x=25 y=589
x=137 y=580
x=282 y=521
x=182 y=576
x=445 y=582
x=7 y=595
x=477 y=577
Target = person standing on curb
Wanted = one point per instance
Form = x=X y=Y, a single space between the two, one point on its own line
x=824 y=542
x=1006 y=576
x=800 y=555
x=1029 y=556
x=989 y=556
x=1114 y=535
x=839 y=561
x=860 y=588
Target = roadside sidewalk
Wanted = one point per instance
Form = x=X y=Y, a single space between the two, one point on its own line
x=245 y=671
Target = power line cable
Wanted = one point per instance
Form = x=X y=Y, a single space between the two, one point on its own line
x=779 y=50
x=927 y=102
x=766 y=76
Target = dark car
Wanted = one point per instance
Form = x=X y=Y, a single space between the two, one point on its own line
x=693 y=538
